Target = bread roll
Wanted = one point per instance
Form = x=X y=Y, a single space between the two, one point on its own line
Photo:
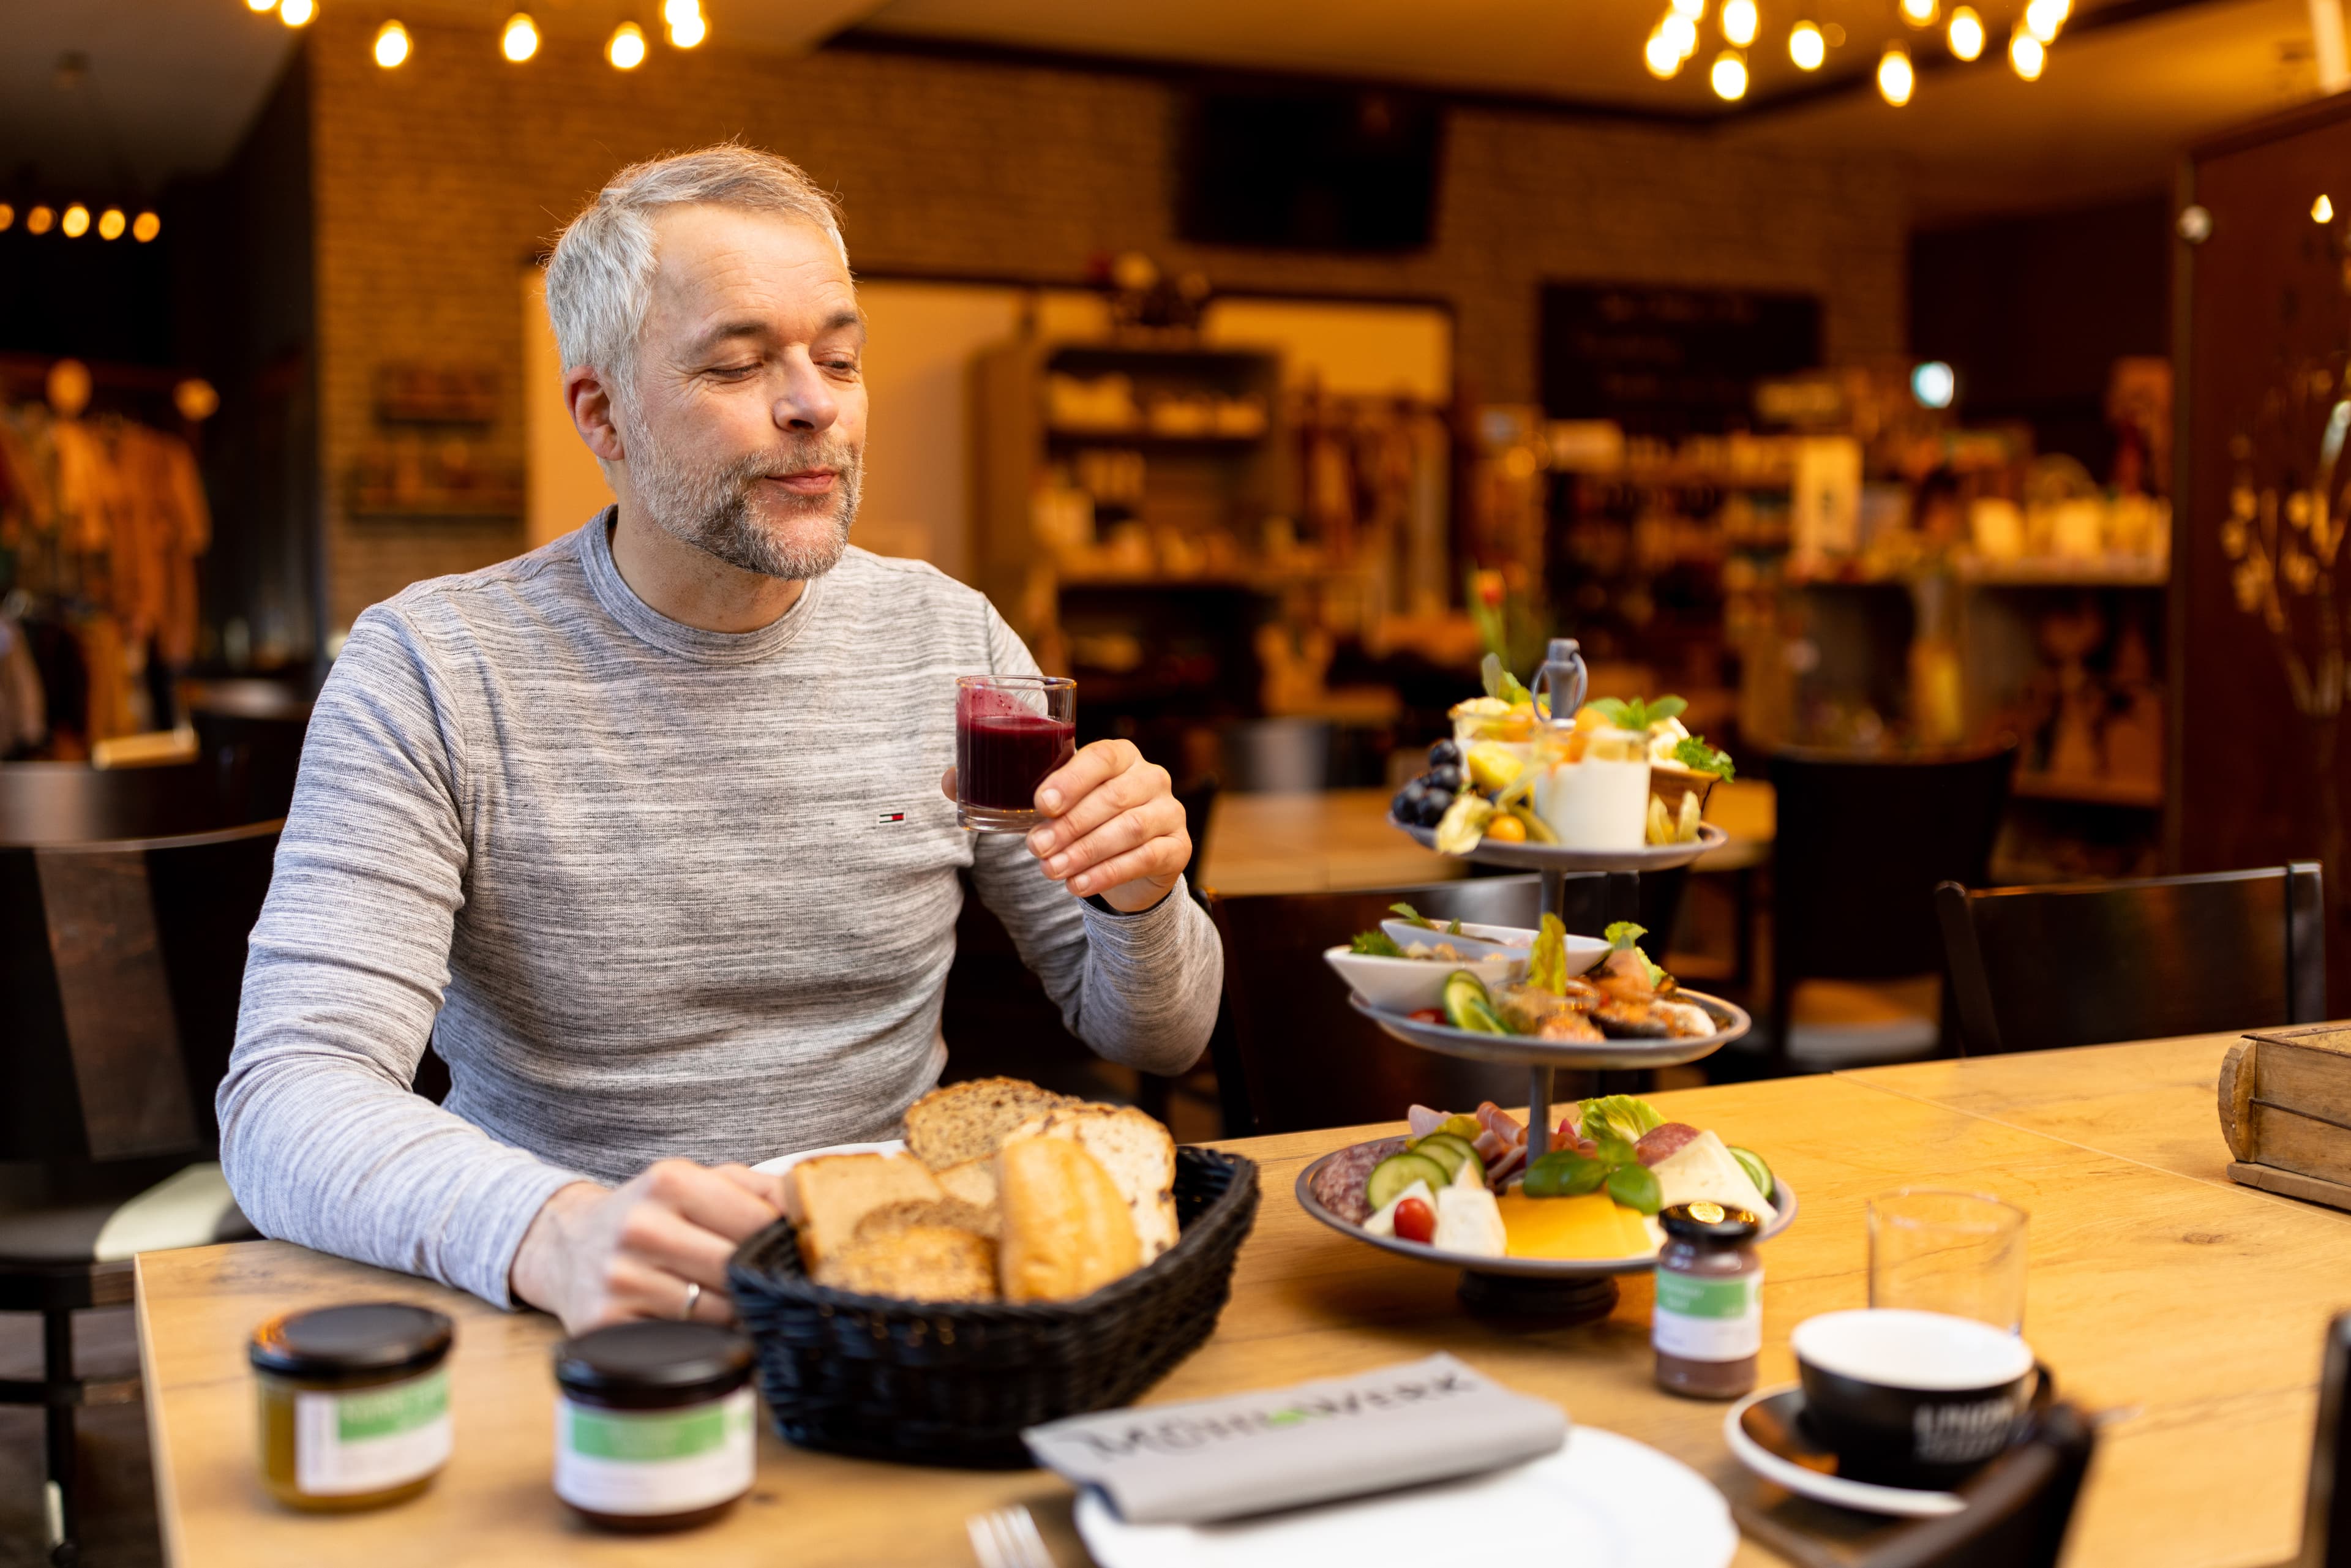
x=1064 y=1231
x=1134 y=1151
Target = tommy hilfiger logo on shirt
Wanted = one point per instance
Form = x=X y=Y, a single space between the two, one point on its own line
x=889 y=817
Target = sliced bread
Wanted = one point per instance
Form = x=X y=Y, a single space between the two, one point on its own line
x=974 y=1181
x=951 y=1212
x=1136 y=1153
x=920 y=1263
x=831 y=1194
x=969 y=1121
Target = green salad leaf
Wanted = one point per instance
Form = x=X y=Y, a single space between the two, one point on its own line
x=1693 y=753
x=1624 y=1117
x=1547 y=960
x=1408 y=913
x=1376 y=944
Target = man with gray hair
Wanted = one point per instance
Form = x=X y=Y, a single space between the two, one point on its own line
x=645 y=833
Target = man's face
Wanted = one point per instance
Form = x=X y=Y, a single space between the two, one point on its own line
x=746 y=424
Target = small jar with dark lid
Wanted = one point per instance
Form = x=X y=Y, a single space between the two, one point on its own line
x=353 y=1402
x=654 y=1426
x=1708 y=1325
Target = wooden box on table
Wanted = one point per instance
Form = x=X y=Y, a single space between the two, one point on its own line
x=2285 y=1109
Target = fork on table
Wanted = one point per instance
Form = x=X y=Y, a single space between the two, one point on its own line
x=1007 y=1538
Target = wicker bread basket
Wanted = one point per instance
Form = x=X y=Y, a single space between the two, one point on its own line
x=952 y=1382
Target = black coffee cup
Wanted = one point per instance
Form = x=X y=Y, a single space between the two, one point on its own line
x=1914 y=1399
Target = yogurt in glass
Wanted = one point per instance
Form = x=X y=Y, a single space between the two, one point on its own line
x=1600 y=801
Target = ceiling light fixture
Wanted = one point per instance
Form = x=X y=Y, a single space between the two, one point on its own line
x=1806 y=46
x=1918 y=12
x=520 y=39
x=1729 y=76
x=1739 y=22
x=111 y=222
x=688 y=32
x=1894 y=77
x=76 y=221
x=1681 y=33
x=2044 y=18
x=145 y=226
x=1967 y=33
x=626 y=48
x=7 y=216
x=296 y=13
x=1660 y=55
x=38 y=220
x=2025 y=55
x=1933 y=384
x=390 y=44
x=1693 y=9
x=258 y=6
x=2322 y=211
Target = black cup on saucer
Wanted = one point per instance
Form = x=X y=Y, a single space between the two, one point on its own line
x=1912 y=1399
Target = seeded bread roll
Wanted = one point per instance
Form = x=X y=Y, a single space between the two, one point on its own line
x=1138 y=1155
x=1065 y=1232
x=969 y=1121
x=829 y=1196
x=920 y=1263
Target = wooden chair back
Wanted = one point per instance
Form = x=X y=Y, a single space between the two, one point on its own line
x=2036 y=969
x=2017 y=1509
x=123 y=962
x=1860 y=845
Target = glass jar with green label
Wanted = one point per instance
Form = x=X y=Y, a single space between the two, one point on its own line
x=654 y=1424
x=353 y=1403
x=1708 y=1325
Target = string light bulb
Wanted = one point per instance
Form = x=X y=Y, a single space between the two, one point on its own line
x=296 y=13
x=1660 y=55
x=1739 y=21
x=111 y=222
x=2044 y=18
x=1918 y=12
x=520 y=39
x=2322 y=211
x=1967 y=33
x=1894 y=77
x=145 y=226
x=1693 y=9
x=76 y=221
x=390 y=44
x=626 y=48
x=1681 y=31
x=7 y=217
x=2026 y=55
x=258 y=6
x=1806 y=46
x=1729 y=76
x=38 y=220
x=688 y=31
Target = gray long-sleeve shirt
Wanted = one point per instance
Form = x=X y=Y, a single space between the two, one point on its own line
x=669 y=891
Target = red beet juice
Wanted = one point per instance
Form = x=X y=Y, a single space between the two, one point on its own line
x=1004 y=749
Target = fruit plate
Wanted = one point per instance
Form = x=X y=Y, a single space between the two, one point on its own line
x=1526 y=1051
x=1556 y=857
x=1783 y=1199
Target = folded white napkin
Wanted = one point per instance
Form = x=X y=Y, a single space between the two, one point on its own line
x=1285 y=1447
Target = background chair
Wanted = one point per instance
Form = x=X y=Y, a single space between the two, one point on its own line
x=121 y=961
x=1290 y=1054
x=2034 y=968
x=2326 y=1506
x=1861 y=844
x=249 y=733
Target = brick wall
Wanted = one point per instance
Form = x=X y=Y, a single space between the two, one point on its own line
x=436 y=181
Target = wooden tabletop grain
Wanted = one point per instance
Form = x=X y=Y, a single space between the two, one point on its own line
x=2190 y=1308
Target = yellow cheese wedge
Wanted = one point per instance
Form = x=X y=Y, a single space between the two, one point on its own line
x=1593 y=1225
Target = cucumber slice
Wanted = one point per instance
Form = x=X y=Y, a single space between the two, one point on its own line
x=1397 y=1172
x=1467 y=1007
x=1757 y=1171
x=1447 y=1150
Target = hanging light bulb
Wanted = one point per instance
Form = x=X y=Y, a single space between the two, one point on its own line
x=1806 y=46
x=2025 y=55
x=2322 y=211
x=76 y=221
x=1693 y=9
x=1660 y=55
x=145 y=226
x=1730 y=75
x=2044 y=18
x=1681 y=31
x=1739 y=21
x=7 y=217
x=296 y=13
x=626 y=48
x=111 y=222
x=1894 y=77
x=38 y=220
x=520 y=41
x=1967 y=33
x=390 y=44
x=258 y=6
x=688 y=31
x=1918 y=12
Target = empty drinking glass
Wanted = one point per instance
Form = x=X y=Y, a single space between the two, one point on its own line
x=1957 y=1252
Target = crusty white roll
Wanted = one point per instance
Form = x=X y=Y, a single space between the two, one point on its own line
x=1065 y=1231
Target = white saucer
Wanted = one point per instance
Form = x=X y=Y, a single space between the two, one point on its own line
x=1603 y=1501
x=1865 y=1497
x=783 y=1163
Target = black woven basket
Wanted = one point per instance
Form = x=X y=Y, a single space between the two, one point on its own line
x=951 y=1383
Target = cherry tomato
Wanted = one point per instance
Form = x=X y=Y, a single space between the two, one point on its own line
x=1427 y=1015
x=1416 y=1221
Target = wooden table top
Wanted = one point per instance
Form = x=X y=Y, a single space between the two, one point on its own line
x=2193 y=1308
x=1339 y=840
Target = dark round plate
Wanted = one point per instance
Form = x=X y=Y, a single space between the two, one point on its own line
x=1526 y=1051
x=1552 y=857
x=1783 y=1199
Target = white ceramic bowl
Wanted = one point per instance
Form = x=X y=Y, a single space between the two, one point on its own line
x=1407 y=985
x=1516 y=941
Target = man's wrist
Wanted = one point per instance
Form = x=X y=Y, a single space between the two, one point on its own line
x=532 y=1278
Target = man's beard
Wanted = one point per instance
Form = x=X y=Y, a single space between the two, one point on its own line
x=722 y=512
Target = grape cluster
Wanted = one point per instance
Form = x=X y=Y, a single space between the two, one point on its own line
x=1424 y=801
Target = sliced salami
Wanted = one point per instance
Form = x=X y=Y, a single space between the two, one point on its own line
x=1339 y=1186
x=1663 y=1141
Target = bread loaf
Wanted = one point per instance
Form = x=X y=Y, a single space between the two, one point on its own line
x=1134 y=1151
x=829 y=1196
x=1064 y=1228
x=920 y=1263
x=969 y=1121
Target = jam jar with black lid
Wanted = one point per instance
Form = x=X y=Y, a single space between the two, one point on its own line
x=654 y=1426
x=1707 y=1323
x=353 y=1403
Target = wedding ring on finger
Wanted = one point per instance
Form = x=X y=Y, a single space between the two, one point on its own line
x=693 y=1299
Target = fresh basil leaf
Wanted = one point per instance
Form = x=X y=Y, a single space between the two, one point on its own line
x=1636 y=1187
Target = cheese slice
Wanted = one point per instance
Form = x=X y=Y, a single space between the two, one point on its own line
x=1594 y=1225
x=1704 y=1168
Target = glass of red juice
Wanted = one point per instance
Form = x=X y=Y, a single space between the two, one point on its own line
x=1011 y=731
